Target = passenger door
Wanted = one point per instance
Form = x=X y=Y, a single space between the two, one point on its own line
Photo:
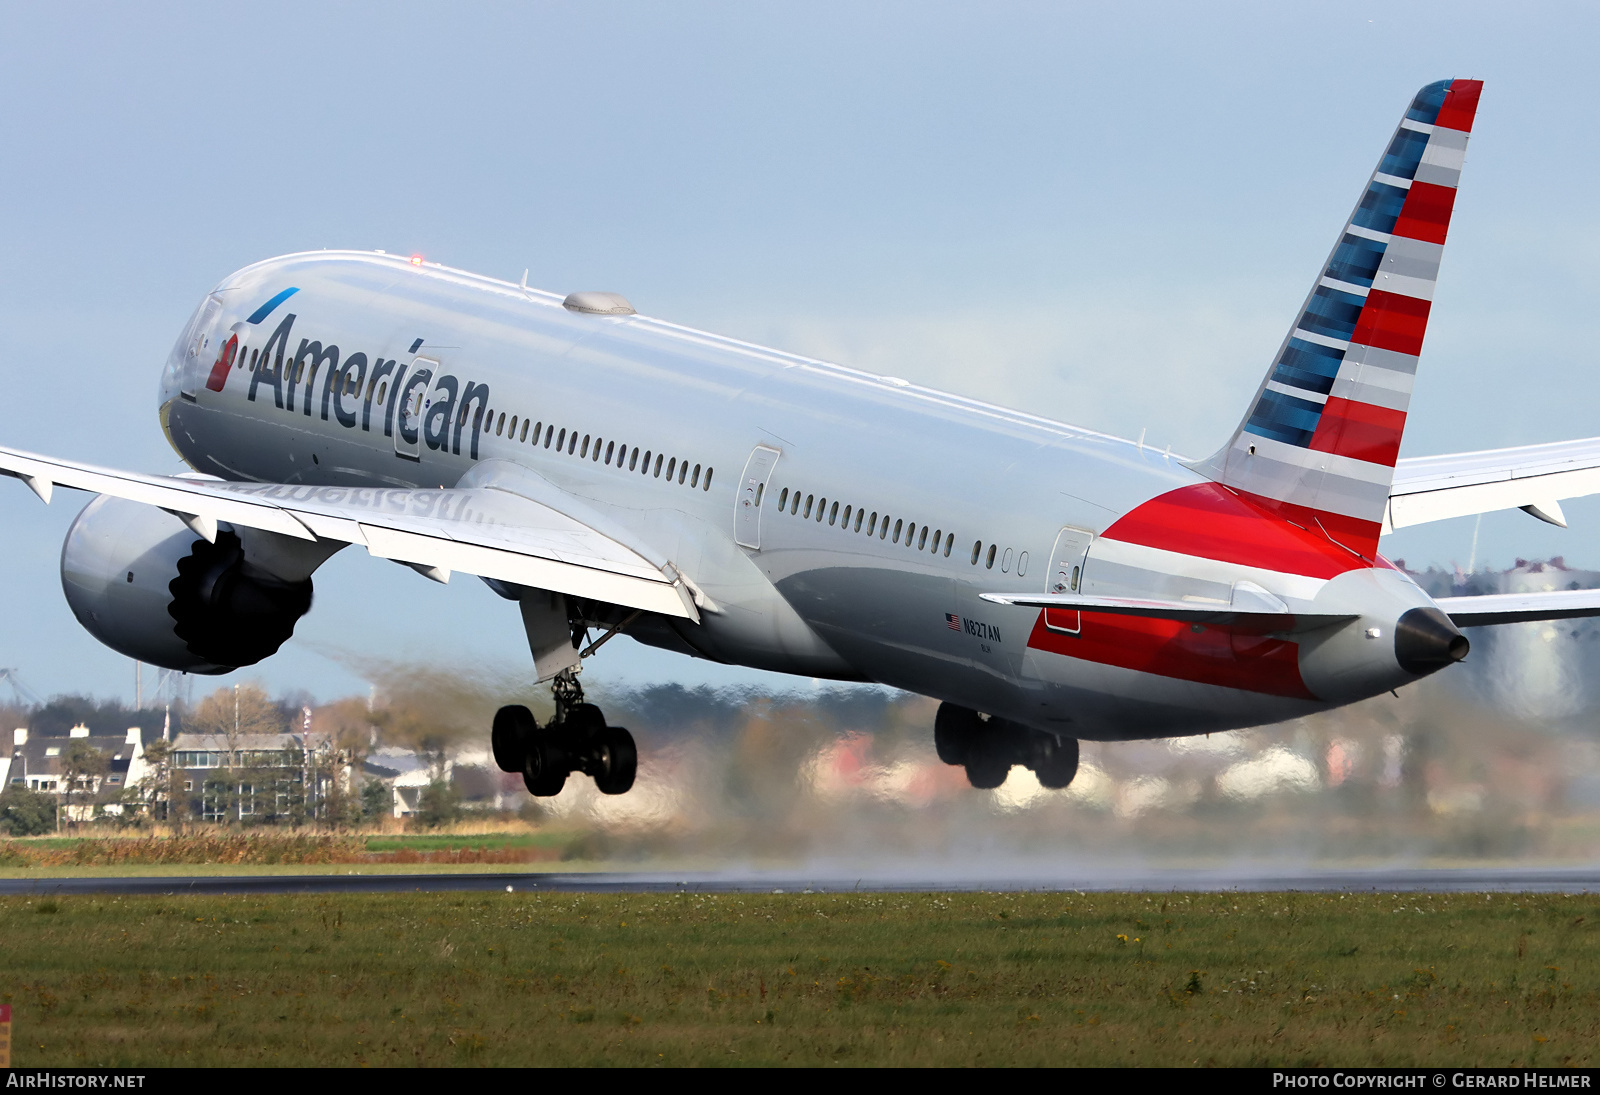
x=415 y=395
x=752 y=490
x=1067 y=561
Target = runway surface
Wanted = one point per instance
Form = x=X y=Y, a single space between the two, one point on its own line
x=1439 y=880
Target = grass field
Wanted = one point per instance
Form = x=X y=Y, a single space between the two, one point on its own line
x=942 y=979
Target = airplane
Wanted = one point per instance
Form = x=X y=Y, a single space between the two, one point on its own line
x=610 y=473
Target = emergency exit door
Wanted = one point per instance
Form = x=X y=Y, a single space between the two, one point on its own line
x=1065 y=575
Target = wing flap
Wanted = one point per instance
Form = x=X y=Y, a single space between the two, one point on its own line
x=1220 y=613
x=1516 y=608
x=475 y=530
x=1531 y=477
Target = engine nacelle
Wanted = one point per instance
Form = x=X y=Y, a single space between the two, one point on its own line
x=141 y=582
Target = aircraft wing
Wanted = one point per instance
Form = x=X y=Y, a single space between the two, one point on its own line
x=1534 y=478
x=1277 y=617
x=486 y=531
x=1516 y=608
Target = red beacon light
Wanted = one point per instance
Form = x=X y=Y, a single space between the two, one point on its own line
x=416 y=260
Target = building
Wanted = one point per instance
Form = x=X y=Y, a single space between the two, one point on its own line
x=255 y=777
x=38 y=763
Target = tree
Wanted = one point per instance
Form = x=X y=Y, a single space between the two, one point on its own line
x=243 y=709
x=26 y=813
x=377 y=800
x=439 y=804
x=82 y=766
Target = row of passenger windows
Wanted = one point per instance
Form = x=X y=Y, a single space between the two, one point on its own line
x=598 y=449
x=857 y=519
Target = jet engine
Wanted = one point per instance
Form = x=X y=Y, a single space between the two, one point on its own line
x=139 y=580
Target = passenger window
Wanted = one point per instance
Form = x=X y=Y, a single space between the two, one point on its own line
x=683 y=471
x=513 y=432
x=538 y=428
x=949 y=542
x=350 y=383
x=254 y=357
x=524 y=430
x=500 y=426
x=1075 y=579
x=694 y=481
x=584 y=453
x=611 y=448
x=1005 y=562
x=783 y=500
x=572 y=443
x=596 y=456
x=1022 y=564
x=822 y=509
x=833 y=514
x=937 y=536
x=990 y=563
x=872 y=523
x=633 y=461
x=859 y=515
x=761 y=489
x=658 y=465
x=977 y=547
x=707 y=485
x=671 y=464
x=923 y=542
x=898 y=525
x=809 y=497
x=846 y=522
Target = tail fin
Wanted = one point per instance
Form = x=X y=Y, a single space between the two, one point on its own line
x=1323 y=432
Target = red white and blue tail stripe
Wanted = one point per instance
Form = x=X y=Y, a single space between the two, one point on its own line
x=1321 y=438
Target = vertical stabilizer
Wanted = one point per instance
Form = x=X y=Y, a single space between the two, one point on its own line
x=1321 y=437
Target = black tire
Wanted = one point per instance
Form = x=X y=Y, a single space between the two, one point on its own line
x=1055 y=761
x=583 y=720
x=544 y=772
x=987 y=773
x=514 y=729
x=619 y=761
x=954 y=731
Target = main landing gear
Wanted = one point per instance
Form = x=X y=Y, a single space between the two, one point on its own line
x=987 y=748
x=577 y=739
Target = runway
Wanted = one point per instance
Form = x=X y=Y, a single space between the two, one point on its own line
x=1397 y=880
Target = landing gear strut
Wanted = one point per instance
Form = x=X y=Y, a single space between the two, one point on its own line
x=987 y=748
x=577 y=739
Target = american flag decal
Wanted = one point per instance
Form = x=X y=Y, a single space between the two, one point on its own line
x=952 y=621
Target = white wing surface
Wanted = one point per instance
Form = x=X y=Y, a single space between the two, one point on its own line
x=1221 y=613
x=1534 y=478
x=481 y=530
x=1516 y=608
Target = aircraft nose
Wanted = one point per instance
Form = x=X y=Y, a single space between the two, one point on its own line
x=1425 y=641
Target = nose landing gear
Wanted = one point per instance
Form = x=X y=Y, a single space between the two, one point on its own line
x=577 y=739
x=988 y=748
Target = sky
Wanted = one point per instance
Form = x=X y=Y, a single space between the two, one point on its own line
x=1104 y=213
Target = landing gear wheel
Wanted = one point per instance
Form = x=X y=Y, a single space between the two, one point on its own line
x=514 y=731
x=1054 y=761
x=617 y=761
x=954 y=731
x=545 y=771
x=583 y=720
x=987 y=772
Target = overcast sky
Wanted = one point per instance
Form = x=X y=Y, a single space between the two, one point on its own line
x=1104 y=213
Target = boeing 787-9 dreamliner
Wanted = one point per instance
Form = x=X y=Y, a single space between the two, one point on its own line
x=606 y=472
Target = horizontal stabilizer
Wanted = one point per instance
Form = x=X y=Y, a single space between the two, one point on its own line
x=1516 y=608
x=1200 y=612
x=484 y=530
x=1529 y=477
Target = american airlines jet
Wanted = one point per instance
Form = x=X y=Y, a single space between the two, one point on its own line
x=605 y=472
